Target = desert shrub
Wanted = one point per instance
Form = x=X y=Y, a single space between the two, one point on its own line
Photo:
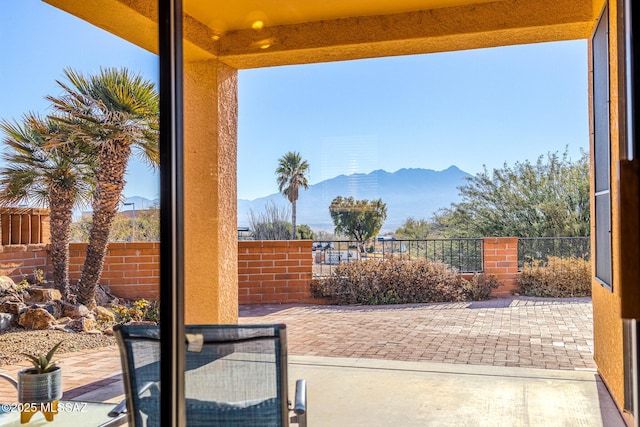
x=557 y=278
x=391 y=281
x=479 y=288
x=139 y=310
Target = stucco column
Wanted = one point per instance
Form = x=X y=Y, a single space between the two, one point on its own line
x=210 y=195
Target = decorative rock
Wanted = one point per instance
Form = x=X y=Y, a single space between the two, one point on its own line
x=6 y=320
x=104 y=296
x=6 y=284
x=104 y=314
x=36 y=318
x=12 y=307
x=44 y=294
x=74 y=310
x=140 y=322
x=82 y=324
x=53 y=308
x=63 y=320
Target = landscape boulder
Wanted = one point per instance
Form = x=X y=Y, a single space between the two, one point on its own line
x=6 y=320
x=83 y=324
x=44 y=294
x=104 y=296
x=63 y=320
x=36 y=318
x=12 y=307
x=140 y=323
x=74 y=310
x=104 y=314
x=6 y=284
x=54 y=308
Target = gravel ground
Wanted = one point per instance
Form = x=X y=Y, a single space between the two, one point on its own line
x=15 y=341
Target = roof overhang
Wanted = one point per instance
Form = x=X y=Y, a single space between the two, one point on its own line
x=260 y=33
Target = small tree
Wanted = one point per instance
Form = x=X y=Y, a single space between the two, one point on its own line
x=304 y=232
x=358 y=219
x=292 y=174
x=81 y=228
x=59 y=177
x=147 y=223
x=116 y=112
x=272 y=224
x=414 y=229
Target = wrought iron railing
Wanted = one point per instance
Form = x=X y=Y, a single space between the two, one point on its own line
x=540 y=248
x=465 y=255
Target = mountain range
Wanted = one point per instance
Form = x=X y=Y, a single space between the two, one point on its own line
x=416 y=193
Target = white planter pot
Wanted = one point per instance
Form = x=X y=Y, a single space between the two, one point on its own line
x=39 y=388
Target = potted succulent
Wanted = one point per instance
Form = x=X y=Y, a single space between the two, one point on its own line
x=43 y=382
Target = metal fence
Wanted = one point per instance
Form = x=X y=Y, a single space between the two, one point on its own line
x=465 y=255
x=540 y=248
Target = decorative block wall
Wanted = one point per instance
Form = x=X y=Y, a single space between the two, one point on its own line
x=274 y=271
x=269 y=271
x=500 y=258
x=19 y=261
x=131 y=270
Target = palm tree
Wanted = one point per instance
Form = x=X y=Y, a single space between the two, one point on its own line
x=291 y=175
x=116 y=113
x=60 y=178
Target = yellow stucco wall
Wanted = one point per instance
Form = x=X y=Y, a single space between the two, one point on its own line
x=210 y=195
x=607 y=320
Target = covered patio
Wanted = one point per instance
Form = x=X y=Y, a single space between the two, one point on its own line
x=513 y=361
x=200 y=55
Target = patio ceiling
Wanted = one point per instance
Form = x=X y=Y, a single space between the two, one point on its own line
x=259 y=33
x=239 y=15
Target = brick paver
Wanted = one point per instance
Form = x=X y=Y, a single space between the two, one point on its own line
x=519 y=331
x=83 y=371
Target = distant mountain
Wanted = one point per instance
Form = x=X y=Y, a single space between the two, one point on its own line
x=414 y=193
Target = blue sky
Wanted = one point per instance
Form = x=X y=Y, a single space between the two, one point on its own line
x=471 y=108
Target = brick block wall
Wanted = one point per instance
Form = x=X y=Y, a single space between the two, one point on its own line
x=274 y=271
x=269 y=272
x=18 y=261
x=131 y=270
x=500 y=259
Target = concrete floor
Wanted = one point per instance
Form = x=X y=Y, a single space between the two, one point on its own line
x=366 y=392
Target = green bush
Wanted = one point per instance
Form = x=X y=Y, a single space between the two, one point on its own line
x=557 y=278
x=393 y=281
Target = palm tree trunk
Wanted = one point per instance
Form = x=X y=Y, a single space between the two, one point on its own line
x=293 y=221
x=109 y=185
x=60 y=217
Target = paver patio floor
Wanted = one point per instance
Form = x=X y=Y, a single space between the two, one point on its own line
x=516 y=332
x=519 y=331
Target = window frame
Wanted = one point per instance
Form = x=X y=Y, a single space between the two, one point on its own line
x=602 y=151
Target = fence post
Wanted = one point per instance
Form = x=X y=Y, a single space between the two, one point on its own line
x=500 y=257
